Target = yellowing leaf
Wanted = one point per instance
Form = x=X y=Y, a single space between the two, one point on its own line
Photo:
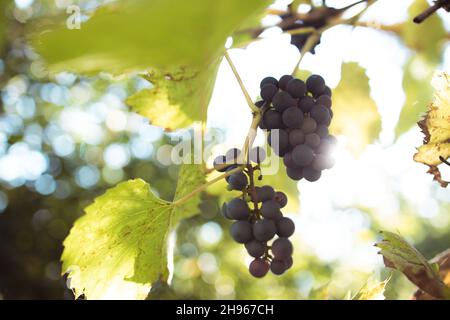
x=436 y=127
x=119 y=247
x=400 y=255
x=372 y=290
x=355 y=113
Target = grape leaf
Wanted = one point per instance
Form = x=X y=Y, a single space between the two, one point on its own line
x=181 y=42
x=442 y=262
x=119 y=247
x=372 y=290
x=417 y=76
x=355 y=113
x=399 y=254
x=436 y=127
x=427 y=38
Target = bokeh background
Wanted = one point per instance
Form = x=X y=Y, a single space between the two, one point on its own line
x=65 y=139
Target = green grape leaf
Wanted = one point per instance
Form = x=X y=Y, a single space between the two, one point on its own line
x=180 y=42
x=355 y=113
x=118 y=249
x=418 y=73
x=400 y=255
x=372 y=290
x=427 y=38
x=178 y=102
x=436 y=127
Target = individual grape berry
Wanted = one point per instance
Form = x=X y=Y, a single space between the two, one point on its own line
x=278 y=267
x=320 y=114
x=292 y=117
x=283 y=100
x=311 y=174
x=296 y=137
x=270 y=209
x=312 y=140
x=232 y=155
x=224 y=211
x=219 y=164
x=306 y=104
x=282 y=248
x=268 y=91
x=264 y=193
x=315 y=84
x=309 y=125
x=285 y=227
x=302 y=155
x=259 y=268
x=278 y=138
x=322 y=162
x=284 y=80
x=281 y=199
x=255 y=248
x=264 y=230
x=257 y=155
x=237 y=209
x=288 y=162
x=272 y=119
x=326 y=92
x=241 y=231
x=268 y=80
x=296 y=88
x=237 y=181
x=324 y=100
x=322 y=131
x=295 y=173
x=259 y=103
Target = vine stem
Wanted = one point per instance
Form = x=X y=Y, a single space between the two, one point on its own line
x=204 y=186
x=241 y=83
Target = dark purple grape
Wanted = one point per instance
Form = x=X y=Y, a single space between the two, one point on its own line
x=302 y=155
x=268 y=91
x=311 y=174
x=278 y=267
x=272 y=119
x=237 y=209
x=219 y=163
x=296 y=88
x=278 y=139
x=224 y=210
x=259 y=268
x=296 y=137
x=257 y=155
x=312 y=140
x=268 y=80
x=288 y=162
x=309 y=125
x=295 y=173
x=284 y=80
x=320 y=114
x=282 y=248
x=289 y=262
x=322 y=162
x=270 y=209
x=326 y=92
x=315 y=84
x=283 y=100
x=306 y=104
x=292 y=117
x=259 y=103
x=264 y=230
x=324 y=100
x=238 y=181
x=281 y=199
x=285 y=227
x=241 y=231
x=229 y=168
x=264 y=193
x=255 y=248
x=322 y=130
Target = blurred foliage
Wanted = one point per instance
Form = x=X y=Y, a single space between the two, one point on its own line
x=79 y=134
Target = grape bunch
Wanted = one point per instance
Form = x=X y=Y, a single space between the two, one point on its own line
x=297 y=115
x=257 y=216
